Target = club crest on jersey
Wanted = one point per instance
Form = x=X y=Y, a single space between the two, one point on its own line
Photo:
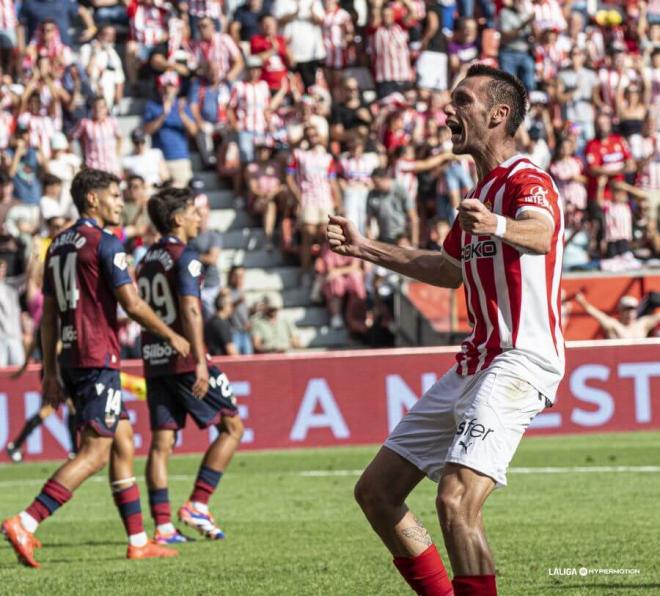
x=195 y=268
x=480 y=250
x=120 y=261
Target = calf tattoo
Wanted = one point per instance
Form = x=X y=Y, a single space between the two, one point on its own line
x=417 y=533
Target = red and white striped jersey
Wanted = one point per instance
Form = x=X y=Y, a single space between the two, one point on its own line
x=403 y=171
x=358 y=169
x=148 y=24
x=8 y=15
x=41 y=129
x=221 y=51
x=390 y=54
x=313 y=169
x=618 y=221
x=99 y=143
x=649 y=175
x=250 y=102
x=513 y=297
x=205 y=8
x=549 y=61
x=336 y=27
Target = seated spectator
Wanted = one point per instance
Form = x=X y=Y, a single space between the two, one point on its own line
x=240 y=316
x=47 y=43
x=311 y=178
x=217 y=330
x=40 y=122
x=567 y=170
x=343 y=281
x=100 y=138
x=146 y=162
x=103 y=66
x=208 y=244
x=170 y=122
x=390 y=207
x=205 y=9
x=272 y=333
x=464 y=48
x=627 y=325
x=264 y=180
x=351 y=114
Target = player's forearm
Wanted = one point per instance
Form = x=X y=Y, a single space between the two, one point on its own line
x=528 y=235
x=193 y=329
x=49 y=336
x=141 y=313
x=423 y=265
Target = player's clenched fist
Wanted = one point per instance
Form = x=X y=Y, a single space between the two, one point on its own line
x=475 y=218
x=343 y=236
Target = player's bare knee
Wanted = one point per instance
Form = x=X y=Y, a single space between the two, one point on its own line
x=232 y=426
x=162 y=444
x=371 y=497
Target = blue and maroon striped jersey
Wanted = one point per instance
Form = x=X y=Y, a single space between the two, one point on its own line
x=84 y=266
x=168 y=270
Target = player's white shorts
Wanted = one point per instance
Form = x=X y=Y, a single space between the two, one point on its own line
x=476 y=421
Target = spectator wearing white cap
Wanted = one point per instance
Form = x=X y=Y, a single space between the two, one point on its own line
x=146 y=162
x=170 y=122
x=627 y=325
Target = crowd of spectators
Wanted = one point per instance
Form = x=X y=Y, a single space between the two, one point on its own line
x=310 y=108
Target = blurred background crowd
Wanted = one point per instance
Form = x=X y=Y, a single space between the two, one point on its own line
x=305 y=108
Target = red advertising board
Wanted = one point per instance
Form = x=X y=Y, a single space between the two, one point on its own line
x=353 y=398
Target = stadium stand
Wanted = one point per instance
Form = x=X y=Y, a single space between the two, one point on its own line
x=279 y=112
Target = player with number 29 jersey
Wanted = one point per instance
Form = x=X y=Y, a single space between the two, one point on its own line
x=168 y=270
x=83 y=267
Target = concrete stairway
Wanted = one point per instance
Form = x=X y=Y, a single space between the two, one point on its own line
x=267 y=273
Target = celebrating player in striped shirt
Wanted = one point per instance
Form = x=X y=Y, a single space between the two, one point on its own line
x=506 y=248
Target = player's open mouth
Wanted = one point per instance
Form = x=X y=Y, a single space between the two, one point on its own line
x=456 y=130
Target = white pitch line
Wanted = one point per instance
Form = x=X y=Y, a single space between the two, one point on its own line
x=353 y=473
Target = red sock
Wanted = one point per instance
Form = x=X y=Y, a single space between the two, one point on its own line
x=52 y=496
x=474 y=585
x=128 y=503
x=425 y=573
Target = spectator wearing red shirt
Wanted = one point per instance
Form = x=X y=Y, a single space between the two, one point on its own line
x=272 y=49
x=607 y=155
x=100 y=138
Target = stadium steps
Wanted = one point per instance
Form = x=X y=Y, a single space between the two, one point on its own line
x=267 y=273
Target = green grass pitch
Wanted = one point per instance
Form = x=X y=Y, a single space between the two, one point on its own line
x=294 y=533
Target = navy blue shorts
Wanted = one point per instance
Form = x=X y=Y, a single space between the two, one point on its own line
x=96 y=394
x=170 y=400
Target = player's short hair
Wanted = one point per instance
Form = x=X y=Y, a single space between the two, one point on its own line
x=86 y=181
x=504 y=88
x=165 y=203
